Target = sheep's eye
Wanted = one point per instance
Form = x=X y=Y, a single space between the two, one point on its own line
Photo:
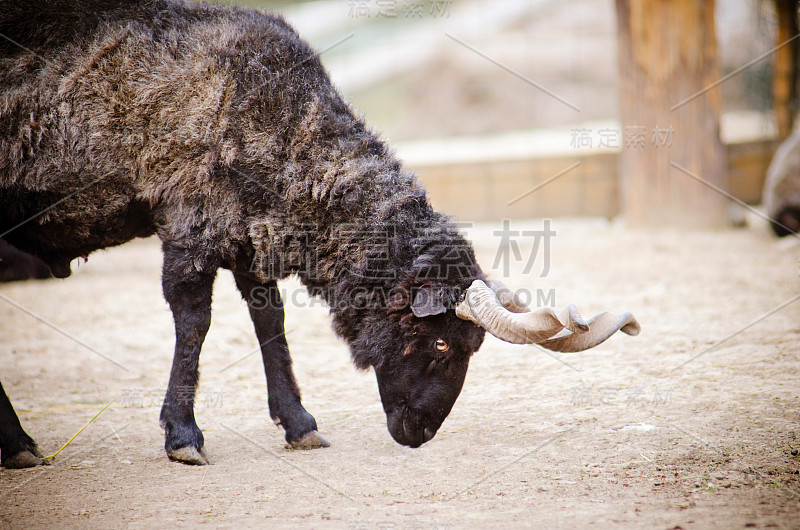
x=441 y=346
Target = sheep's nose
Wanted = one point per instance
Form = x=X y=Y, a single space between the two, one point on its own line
x=428 y=434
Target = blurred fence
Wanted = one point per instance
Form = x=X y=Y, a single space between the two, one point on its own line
x=538 y=174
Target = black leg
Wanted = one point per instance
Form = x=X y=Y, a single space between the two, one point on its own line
x=17 y=449
x=266 y=311
x=188 y=293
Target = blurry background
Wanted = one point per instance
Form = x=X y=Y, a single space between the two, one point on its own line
x=488 y=99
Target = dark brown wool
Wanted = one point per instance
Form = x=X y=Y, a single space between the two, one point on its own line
x=218 y=129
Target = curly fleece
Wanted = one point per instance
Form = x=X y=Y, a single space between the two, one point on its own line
x=218 y=129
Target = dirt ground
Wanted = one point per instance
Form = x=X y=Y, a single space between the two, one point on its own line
x=662 y=430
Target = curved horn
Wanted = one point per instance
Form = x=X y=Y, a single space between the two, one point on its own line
x=601 y=327
x=496 y=308
x=507 y=297
x=482 y=307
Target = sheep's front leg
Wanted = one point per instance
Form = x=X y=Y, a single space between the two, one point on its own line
x=188 y=293
x=17 y=449
x=266 y=311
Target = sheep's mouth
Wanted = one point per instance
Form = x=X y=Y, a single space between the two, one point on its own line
x=408 y=427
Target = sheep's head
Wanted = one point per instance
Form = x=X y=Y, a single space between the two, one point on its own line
x=421 y=341
x=417 y=346
x=420 y=384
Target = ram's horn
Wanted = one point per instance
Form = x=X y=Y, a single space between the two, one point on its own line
x=481 y=306
x=496 y=308
x=601 y=327
x=507 y=297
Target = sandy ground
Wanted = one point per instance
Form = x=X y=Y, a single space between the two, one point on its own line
x=662 y=430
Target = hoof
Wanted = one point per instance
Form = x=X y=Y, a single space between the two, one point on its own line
x=24 y=459
x=190 y=455
x=312 y=440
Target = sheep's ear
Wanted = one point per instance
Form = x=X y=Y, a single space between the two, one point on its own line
x=428 y=302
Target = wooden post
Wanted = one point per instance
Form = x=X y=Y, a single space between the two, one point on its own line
x=668 y=60
x=784 y=80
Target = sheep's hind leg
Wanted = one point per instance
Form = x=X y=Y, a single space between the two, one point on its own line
x=18 y=450
x=188 y=293
x=266 y=311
